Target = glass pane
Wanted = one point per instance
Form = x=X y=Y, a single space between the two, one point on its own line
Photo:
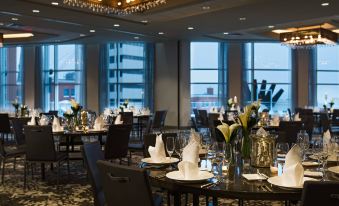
x=131 y=56
x=205 y=95
x=332 y=93
x=328 y=58
x=271 y=76
x=248 y=56
x=204 y=55
x=271 y=56
x=204 y=76
x=328 y=77
x=134 y=76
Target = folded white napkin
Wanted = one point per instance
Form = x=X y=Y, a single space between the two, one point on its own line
x=222 y=110
x=221 y=116
x=276 y=120
x=99 y=123
x=327 y=138
x=297 y=118
x=293 y=172
x=188 y=167
x=32 y=122
x=286 y=117
x=43 y=120
x=235 y=100
x=56 y=124
x=145 y=111
x=213 y=110
x=108 y=112
x=157 y=152
x=194 y=137
x=233 y=108
x=118 y=120
x=316 y=109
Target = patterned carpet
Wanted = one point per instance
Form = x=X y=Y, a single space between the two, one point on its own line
x=72 y=191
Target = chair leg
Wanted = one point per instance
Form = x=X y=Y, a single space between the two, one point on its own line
x=25 y=173
x=3 y=170
x=14 y=163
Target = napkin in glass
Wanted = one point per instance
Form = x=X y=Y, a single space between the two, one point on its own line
x=276 y=120
x=221 y=116
x=297 y=118
x=56 y=124
x=43 y=120
x=188 y=167
x=32 y=122
x=99 y=123
x=157 y=152
x=293 y=172
x=118 y=120
x=222 y=110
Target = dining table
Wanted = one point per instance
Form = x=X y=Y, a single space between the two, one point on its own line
x=234 y=186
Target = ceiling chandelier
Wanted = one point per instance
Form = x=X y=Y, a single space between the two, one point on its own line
x=119 y=7
x=308 y=38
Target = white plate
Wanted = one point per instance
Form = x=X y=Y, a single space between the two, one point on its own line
x=310 y=173
x=331 y=158
x=277 y=181
x=252 y=177
x=203 y=176
x=97 y=130
x=310 y=164
x=334 y=169
x=165 y=162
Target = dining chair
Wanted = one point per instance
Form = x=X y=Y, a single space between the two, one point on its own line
x=116 y=145
x=8 y=153
x=128 y=186
x=18 y=130
x=288 y=131
x=307 y=120
x=92 y=153
x=197 y=117
x=203 y=118
x=127 y=117
x=40 y=148
x=5 y=127
x=325 y=122
x=159 y=120
x=320 y=193
x=150 y=139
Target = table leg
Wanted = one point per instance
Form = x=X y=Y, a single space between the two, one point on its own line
x=43 y=177
x=177 y=199
x=195 y=200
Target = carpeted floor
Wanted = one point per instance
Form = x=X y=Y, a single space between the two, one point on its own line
x=72 y=191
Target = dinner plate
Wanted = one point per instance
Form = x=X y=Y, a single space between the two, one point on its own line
x=277 y=181
x=310 y=164
x=310 y=173
x=203 y=176
x=165 y=162
x=334 y=169
x=331 y=158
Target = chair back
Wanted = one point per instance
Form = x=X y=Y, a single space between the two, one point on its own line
x=320 y=193
x=194 y=124
x=127 y=117
x=92 y=153
x=39 y=143
x=288 y=131
x=159 y=119
x=150 y=139
x=124 y=185
x=18 y=129
x=289 y=114
x=116 y=145
x=308 y=121
x=148 y=126
x=2 y=149
x=53 y=113
x=335 y=117
x=5 y=126
x=324 y=122
x=203 y=117
x=196 y=115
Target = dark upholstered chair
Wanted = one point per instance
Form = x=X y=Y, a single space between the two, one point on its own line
x=126 y=186
x=40 y=148
x=116 y=146
x=127 y=117
x=18 y=129
x=5 y=154
x=159 y=119
x=320 y=193
x=5 y=127
x=288 y=131
x=92 y=153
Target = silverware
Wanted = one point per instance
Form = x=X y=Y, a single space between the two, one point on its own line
x=206 y=185
x=263 y=188
x=268 y=188
x=263 y=175
x=160 y=176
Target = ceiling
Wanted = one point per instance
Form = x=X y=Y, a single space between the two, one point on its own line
x=210 y=19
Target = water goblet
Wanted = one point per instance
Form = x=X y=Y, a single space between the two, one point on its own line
x=170 y=145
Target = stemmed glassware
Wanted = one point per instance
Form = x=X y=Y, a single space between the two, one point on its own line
x=320 y=151
x=218 y=157
x=303 y=142
x=170 y=146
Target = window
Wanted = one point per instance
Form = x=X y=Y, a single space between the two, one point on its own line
x=327 y=75
x=127 y=74
x=11 y=80
x=208 y=74
x=268 y=75
x=62 y=74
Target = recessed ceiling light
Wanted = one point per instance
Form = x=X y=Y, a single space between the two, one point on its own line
x=144 y=21
x=325 y=4
x=116 y=25
x=206 y=7
x=92 y=30
x=82 y=35
x=242 y=18
x=15 y=19
x=35 y=11
x=161 y=33
x=55 y=3
x=225 y=33
x=1 y=24
x=136 y=37
x=190 y=28
x=18 y=35
x=270 y=26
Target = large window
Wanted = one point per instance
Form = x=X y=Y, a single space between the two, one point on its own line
x=327 y=74
x=268 y=75
x=208 y=74
x=126 y=75
x=11 y=80
x=63 y=76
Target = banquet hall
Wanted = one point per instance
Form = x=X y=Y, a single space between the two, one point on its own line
x=169 y=102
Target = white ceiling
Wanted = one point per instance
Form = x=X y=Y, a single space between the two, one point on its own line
x=63 y=24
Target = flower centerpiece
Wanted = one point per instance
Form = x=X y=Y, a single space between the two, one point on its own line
x=125 y=104
x=68 y=116
x=248 y=119
x=229 y=132
x=23 y=110
x=75 y=106
x=331 y=103
x=15 y=104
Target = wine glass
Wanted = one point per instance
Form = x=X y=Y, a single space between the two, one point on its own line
x=228 y=153
x=282 y=149
x=303 y=142
x=170 y=146
x=218 y=152
x=179 y=146
x=320 y=151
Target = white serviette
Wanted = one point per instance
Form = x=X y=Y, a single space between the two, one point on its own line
x=286 y=118
x=99 y=123
x=43 y=120
x=32 y=122
x=56 y=124
x=221 y=116
x=327 y=138
x=118 y=120
x=293 y=172
x=276 y=120
x=157 y=152
x=297 y=118
x=222 y=110
x=188 y=167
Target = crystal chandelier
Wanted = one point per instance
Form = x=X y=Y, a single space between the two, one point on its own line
x=308 y=38
x=119 y=7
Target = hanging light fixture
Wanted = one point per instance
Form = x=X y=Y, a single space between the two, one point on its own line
x=308 y=38
x=119 y=7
